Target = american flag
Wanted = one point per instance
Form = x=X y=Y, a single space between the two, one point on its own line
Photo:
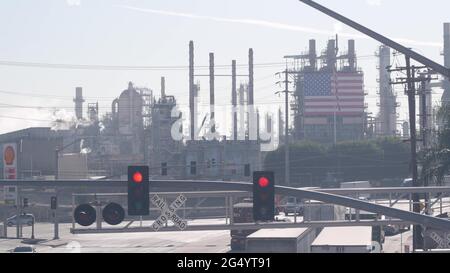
x=328 y=93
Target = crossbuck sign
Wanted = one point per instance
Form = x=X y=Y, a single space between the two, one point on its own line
x=168 y=212
x=443 y=242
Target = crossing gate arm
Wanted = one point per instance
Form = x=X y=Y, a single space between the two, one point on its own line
x=188 y=185
x=380 y=38
x=425 y=220
x=244 y=226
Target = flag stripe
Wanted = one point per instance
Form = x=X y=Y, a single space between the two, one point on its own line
x=328 y=93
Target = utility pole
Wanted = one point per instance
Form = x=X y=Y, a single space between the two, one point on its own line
x=410 y=72
x=18 y=213
x=286 y=125
x=425 y=102
x=410 y=82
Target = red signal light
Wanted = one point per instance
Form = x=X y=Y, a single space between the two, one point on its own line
x=137 y=177
x=263 y=182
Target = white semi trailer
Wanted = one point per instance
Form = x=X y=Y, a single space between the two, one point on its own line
x=345 y=240
x=288 y=240
x=357 y=185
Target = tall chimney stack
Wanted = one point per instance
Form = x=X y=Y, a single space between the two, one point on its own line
x=163 y=88
x=78 y=103
x=351 y=55
x=446 y=83
x=312 y=55
x=191 y=90
x=234 y=99
x=331 y=55
x=211 y=91
x=252 y=126
x=250 y=77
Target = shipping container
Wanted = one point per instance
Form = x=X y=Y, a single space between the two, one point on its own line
x=288 y=240
x=345 y=240
x=357 y=185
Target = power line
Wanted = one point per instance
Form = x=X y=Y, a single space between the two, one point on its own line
x=124 y=67
x=136 y=67
x=28 y=119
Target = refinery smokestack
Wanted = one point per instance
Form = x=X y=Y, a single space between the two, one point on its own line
x=79 y=103
x=331 y=55
x=234 y=99
x=250 y=77
x=446 y=84
x=191 y=90
x=211 y=91
x=351 y=55
x=163 y=88
x=252 y=126
x=312 y=55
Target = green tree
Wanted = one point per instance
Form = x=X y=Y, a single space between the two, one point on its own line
x=353 y=161
x=396 y=157
x=313 y=164
x=436 y=160
x=306 y=164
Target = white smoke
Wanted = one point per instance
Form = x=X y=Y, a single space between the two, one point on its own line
x=84 y=150
x=373 y=2
x=62 y=120
x=101 y=126
x=82 y=123
x=73 y=3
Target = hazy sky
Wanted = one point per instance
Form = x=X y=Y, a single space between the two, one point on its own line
x=157 y=33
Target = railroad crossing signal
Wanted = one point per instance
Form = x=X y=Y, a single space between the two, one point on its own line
x=85 y=215
x=168 y=212
x=53 y=202
x=263 y=196
x=442 y=241
x=138 y=190
x=113 y=214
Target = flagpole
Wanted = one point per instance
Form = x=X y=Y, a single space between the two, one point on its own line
x=334 y=117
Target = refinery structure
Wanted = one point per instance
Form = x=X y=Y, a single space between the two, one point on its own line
x=328 y=105
x=145 y=129
x=329 y=101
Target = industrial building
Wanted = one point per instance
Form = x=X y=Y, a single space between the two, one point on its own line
x=227 y=157
x=33 y=150
x=329 y=101
x=139 y=130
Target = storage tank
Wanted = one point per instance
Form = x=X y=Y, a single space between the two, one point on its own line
x=72 y=166
x=130 y=111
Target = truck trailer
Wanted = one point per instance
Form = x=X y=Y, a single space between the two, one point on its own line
x=345 y=240
x=287 y=240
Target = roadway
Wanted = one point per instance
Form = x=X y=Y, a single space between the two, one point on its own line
x=152 y=242
x=147 y=242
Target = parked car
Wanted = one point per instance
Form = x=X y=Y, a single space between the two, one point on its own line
x=24 y=219
x=291 y=206
x=391 y=230
x=24 y=249
x=408 y=182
